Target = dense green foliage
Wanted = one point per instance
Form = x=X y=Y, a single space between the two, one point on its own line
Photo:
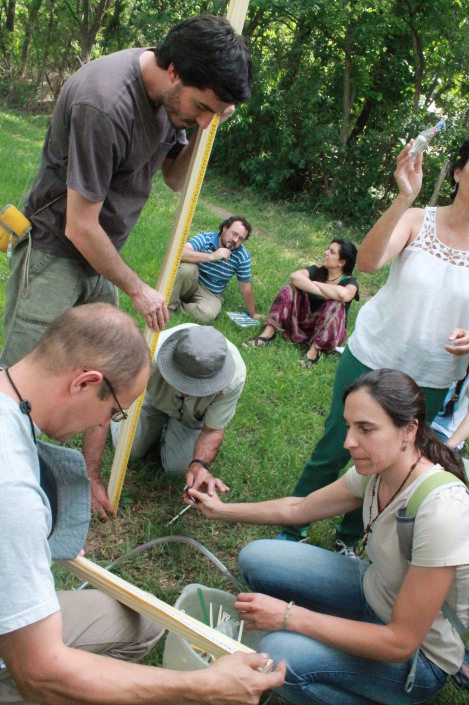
x=280 y=415
x=338 y=85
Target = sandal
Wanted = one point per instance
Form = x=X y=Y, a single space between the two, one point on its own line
x=307 y=363
x=258 y=341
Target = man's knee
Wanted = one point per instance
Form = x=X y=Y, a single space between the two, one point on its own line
x=95 y=622
x=173 y=462
x=186 y=281
x=203 y=314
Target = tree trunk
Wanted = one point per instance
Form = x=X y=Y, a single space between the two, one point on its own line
x=46 y=48
x=10 y=16
x=89 y=30
x=30 y=24
x=346 y=97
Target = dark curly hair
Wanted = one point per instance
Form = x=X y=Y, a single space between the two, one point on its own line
x=232 y=219
x=207 y=53
x=347 y=252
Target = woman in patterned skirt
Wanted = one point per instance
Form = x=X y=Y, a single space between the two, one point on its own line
x=313 y=307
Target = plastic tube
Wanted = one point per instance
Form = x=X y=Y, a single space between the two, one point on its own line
x=177 y=539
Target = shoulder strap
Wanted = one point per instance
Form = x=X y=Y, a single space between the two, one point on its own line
x=430 y=483
x=405 y=532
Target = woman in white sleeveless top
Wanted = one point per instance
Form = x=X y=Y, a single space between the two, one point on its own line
x=416 y=323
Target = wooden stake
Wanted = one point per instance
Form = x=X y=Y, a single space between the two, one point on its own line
x=236 y=15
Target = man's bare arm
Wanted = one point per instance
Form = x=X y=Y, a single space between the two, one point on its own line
x=206 y=449
x=46 y=671
x=248 y=298
x=84 y=231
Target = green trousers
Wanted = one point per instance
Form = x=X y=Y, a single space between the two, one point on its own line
x=329 y=456
x=39 y=289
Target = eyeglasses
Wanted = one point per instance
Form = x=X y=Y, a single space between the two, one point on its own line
x=116 y=416
x=120 y=415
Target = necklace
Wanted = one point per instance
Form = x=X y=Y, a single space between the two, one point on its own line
x=360 y=548
x=335 y=278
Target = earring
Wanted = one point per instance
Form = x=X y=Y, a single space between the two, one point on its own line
x=404 y=447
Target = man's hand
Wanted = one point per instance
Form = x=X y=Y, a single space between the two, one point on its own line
x=198 y=478
x=235 y=680
x=258 y=316
x=458 y=342
x=221 y=253
x=101 y=507
x=151 y=304
x=261 y=612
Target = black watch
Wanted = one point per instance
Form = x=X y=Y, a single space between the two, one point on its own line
x=200 y=462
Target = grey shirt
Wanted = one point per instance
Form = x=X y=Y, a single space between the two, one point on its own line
x=106 y=141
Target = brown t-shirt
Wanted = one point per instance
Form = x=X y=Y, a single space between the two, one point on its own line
x=106 y=141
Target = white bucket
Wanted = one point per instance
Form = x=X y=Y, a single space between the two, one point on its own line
x=179 y=655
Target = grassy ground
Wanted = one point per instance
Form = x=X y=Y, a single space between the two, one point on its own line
x=280 y=415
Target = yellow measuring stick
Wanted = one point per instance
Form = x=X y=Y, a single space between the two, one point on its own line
x=165 y=284
x=236 y=14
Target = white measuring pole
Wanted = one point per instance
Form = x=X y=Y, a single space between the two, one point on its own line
x=236 y=14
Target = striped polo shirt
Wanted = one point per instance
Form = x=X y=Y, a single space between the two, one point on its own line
x=215 y=275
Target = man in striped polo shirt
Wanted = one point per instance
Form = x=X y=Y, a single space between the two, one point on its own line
x=208 y=262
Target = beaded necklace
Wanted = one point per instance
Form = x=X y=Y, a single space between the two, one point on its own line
x=361 y=545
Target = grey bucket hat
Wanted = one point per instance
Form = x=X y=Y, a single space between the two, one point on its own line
x=196 y=361
x=68 y=490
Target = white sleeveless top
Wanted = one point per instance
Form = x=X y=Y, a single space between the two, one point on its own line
x=407 y=323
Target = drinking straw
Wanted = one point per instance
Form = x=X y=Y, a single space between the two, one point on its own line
x=203 y=607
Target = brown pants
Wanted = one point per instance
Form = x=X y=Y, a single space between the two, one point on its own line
x=96 y=623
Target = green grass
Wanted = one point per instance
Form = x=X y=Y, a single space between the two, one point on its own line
x=281 y=412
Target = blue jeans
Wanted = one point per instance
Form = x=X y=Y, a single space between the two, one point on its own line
x=329 y=583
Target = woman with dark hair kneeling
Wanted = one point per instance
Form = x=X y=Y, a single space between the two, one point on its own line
x=313 y=307
x=349 y=629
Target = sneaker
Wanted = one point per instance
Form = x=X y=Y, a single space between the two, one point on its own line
x=345 y=549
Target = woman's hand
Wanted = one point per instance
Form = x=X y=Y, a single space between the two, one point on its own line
x=459 y=342
x=210 y=505
x=261 y=611
x=409 y=174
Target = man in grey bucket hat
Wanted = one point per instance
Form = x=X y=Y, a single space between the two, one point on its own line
x=197 y=379
x=89 y=366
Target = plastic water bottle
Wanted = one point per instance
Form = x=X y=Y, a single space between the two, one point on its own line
x=424 y=138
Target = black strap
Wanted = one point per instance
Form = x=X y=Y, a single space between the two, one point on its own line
x=200 y=462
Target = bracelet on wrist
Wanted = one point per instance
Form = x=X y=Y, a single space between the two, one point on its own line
x=287 y=614
x=200 y=462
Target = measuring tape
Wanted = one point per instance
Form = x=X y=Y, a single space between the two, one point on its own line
x=169 y=270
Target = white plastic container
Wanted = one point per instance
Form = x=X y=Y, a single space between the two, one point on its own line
x=179 y=655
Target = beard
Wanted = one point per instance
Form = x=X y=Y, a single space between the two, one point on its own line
x=229 y=245
x=171 y=100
